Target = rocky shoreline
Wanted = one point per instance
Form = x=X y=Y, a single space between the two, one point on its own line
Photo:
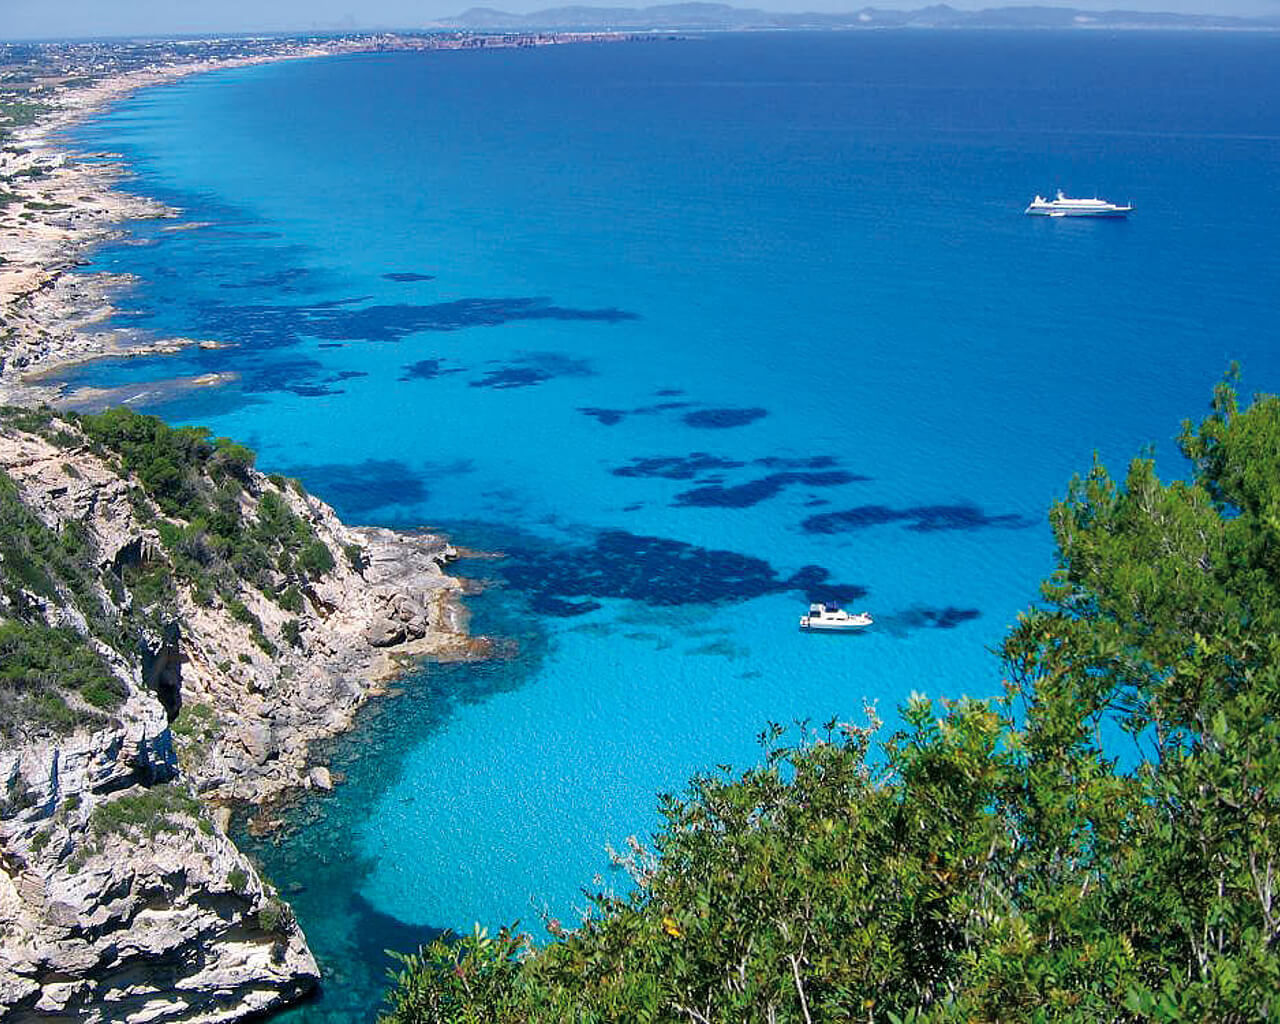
x=121 y=896
x=62 y=203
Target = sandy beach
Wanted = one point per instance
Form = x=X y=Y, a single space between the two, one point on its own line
x=62 y=204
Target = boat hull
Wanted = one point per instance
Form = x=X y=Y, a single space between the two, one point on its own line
x=1032 y=212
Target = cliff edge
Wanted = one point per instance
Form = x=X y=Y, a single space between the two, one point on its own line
x=175 y=628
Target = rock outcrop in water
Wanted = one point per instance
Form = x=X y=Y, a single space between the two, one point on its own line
x=132 y=713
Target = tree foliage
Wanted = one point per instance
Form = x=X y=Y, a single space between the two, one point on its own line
x=220 y=534
x=1101 y=843
x=205 y=488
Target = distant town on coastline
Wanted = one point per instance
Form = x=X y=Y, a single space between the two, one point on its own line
x=717 y=17
x=725 y=17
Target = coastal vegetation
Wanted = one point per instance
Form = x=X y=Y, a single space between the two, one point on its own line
x=162 y=808
x=221 y=532
x=50 y=678
x=17 y=111
x=1101 y=842
x=218 y=532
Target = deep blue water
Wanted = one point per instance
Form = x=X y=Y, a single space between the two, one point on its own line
x=692 y=331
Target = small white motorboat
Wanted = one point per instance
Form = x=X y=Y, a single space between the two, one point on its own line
x=829 y=617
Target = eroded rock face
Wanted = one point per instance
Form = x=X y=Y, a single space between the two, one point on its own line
x=120 y=900
x=386 y=595
x=121 y=897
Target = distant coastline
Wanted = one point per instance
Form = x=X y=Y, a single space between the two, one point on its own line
x=57 y=204
x=690 y=17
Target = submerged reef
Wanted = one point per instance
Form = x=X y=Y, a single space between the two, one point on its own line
x=563 y=580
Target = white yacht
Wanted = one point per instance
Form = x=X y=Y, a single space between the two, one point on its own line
x=823 y=616
x=1063 y=206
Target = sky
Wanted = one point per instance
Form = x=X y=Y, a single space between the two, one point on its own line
x=80 y=18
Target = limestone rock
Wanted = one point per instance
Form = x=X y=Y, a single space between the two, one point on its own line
x=104 y=921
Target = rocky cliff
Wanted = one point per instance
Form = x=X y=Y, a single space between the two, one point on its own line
x=154 y=669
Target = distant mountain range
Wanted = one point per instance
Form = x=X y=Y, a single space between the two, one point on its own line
x=723 y=17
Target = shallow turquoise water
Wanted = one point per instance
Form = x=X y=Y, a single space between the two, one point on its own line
x=691 y=330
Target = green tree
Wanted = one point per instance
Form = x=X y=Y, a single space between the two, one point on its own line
x=1101 y=843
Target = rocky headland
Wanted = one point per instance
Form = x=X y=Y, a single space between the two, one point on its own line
x=175 y=629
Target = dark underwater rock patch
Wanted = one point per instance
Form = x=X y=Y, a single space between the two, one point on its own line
x=564 y=581
x=277 y=374
x=920 y=617
x=511 y=377
x=723 y=419
x=813 y=471
x=675 y=467
x=605 y=417
x=299 y=375
x=920 y=518
x=428 y=369
x=393 y=322
x=657 y=407
x=407 y=277
x=337 y=320
x=804 y=462
x=534 y=368
x=356 y=488
x=753 y=492
x=278 y=279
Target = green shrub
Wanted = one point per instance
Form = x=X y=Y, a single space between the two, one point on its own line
x=151 y=584
x=54 y=565
x=231 y=461
x=275 y=916
x=201 y=481
x=991 y=860
x=237 y=880
x=290 y=599
x=291 y=632
x=198 y=722
x=38 y=664
x=16 y=797
x=355 y=557
x=148 y=813
x=241 y=613
x=315 y=558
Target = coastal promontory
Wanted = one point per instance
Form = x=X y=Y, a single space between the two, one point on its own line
x=175 y=629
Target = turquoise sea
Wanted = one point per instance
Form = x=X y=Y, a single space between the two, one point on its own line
x=692 y=331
